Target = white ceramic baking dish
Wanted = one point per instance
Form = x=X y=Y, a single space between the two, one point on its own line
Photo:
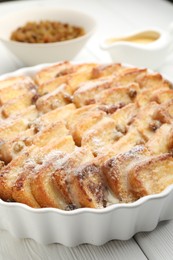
x=93 y=226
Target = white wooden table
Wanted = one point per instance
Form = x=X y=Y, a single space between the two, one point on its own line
x=114 y=17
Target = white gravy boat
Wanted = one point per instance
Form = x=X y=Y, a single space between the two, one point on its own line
x=146 y=48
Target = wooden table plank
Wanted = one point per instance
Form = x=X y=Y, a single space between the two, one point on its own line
x=158 y=245
x=15 y=249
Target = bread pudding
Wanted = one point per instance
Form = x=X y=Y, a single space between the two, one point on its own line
x=85 y=135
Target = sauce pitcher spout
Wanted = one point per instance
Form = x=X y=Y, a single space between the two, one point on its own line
x=146 y=48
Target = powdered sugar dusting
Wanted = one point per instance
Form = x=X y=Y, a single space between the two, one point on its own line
x=30 y=163
x=54 y=154
x=89 y=85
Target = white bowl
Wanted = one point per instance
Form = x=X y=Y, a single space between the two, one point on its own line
x=32 y=54
x=84 y=225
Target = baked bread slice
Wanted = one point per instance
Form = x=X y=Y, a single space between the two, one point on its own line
x=58 y=114
x=149 y=121
x=85 y=122
x=54 y=71
x=78 y=113
x=101 y=71
x=11 y=81
x=11 y=128
x=50 y=183
x=151 y=176
x=11 y=171
x=166 y=111
x=60 y=70
x=162 y=141
x=54 y=99
x=12 y=148
x=87 y=187
x=124 y=117
x=16 y=105
x=21 y=190
x=9 y=174
x=100 y=135
x=153 y=81
x=130 y=75
x=116 y=171
x=87 y=90
x=116 y=95
x=42 y=187
x=124 y=144
x=162 y=95
x=76 y=75
x=12 y=88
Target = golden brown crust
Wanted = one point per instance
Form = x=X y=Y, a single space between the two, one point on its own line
x=116 y=95
x=76 y=75
x=153 y=81
x=124 y=144
x=162 y=95
x=62 y=71
x=45 y=190
x=87 y=187
x=8 y=176
x=54 y=99
x=162 y=141
x=13 y=88
x=65 y=168
x=52 y=72
x=151 y=176
x=85 y=122
x=116 y=171
x=87 y=90
x=16 y=105
x=101 y=71
x=10 y=173
x=9 y=129
x=14 y=147
x=22 y=190
x=100 y=135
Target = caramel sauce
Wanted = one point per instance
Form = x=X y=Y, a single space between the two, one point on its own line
x=140 y=38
